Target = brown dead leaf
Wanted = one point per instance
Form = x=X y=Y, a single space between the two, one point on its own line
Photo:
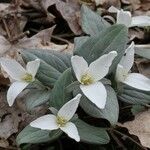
x=135 y=4
x=4 y=45
x=32 y=3
x=53 y=46
x=145 y=5
x=9 y=118
x=107 y=3
x=10 y=49
x=140 y=127
x=4 y=143
x=4 y=6
x=143 y=66
x=127 y=2
x=136 y=33
x=14 y=119
x=69 y=11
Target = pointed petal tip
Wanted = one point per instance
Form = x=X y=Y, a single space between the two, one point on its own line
x=14 y=90
x=37 y=59
x=79 y=96
x=75 y=56
x=77 y=139
x=114 y=53
x=96 y=93
x=71 y=130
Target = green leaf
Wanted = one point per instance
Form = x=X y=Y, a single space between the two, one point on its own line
x=79 y=41
x=59 y=61
x=36 y=97
x=114 y=38
x=134 y=96
x=59 y=94
x=143 y=50
x=34 y=135
x=136 y=109
x=92 y=23
x=51 y=66
x=91 y=134
x=111 y=110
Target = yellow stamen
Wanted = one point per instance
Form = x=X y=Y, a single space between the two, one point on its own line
x=61 y=121
x=28 y=78
x=86 y=79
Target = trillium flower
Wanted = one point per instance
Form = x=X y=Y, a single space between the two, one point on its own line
x=124 y=17
x=89 y=77
x=21 y=77
x=60 y=119
x=123 y=75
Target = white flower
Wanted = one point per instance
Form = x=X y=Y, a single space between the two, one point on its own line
x=89 y=77
x=124 y=17
x=60 y=119
x=135 y=80
x=21 y=77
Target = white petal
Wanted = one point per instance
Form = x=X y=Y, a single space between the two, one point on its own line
x=138 y=81
x=121 y=73
x=13 y=68
x=128 y=59
x=100 y=67
x=79 y=65
x=96 y=93
x=68 y=110
x=113 y=9
x=14 y=90
x=124 y=17
x=140 y=21
x=33 y=66
x=71 y=130
x=46 y=122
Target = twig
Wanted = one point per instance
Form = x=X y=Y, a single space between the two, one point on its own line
x=19 y=36
x=147 y=105
x=6 y=28
x=124 y=135
x=147 y=46
x=60 y=39
x=120 y=144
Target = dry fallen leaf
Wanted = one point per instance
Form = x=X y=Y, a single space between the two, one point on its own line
x=108 y=3
x=14 y=119
x=10 y=49
x=4 y=6
x=140 y=127
x=4 y=143
x=69 y=11
x=136 y=33
x=135 y=4
x=9 y=118
x=143 y=66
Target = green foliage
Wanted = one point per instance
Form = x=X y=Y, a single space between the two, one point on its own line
x=59 y=94
x=91 y=134
x=114 y=38
x=34 y=135
x=52 y=64
x=134 y=96
x=111 y=110
x=92 y=23
x=36 y=97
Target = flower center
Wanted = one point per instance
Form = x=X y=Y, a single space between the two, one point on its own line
x=61 y=121
x=28 y=78
x=86 y=79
